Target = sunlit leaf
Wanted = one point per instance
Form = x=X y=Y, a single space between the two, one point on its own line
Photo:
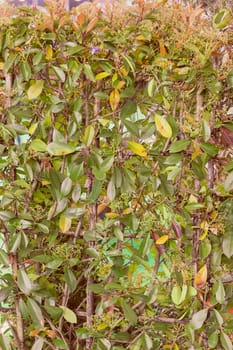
x=163 y=126
x=35 y=89
x=201 y=277
x=69 y=315
x=163 y=239
x=60 y=149
x=137 y=148
x=64 y=223
x=88 y=135
x=198 y=319
x=114 y=99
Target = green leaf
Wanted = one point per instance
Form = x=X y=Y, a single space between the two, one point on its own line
x=38 y=145
x=88 y=72
x=6 y=215
x=88 y=135
x=151 y=87
x=4 y=343
x=103 y=344
x=179 y=146
x=23 y=281
x=206 y=131
x=60 y=149
x=4 y=258
x=176 y=295
x=70 y=279
x=220 y=293
x=218 y=317
x=102 y=75
x=213 y=340
x=35 y=313
x=66 y=186
x=38 y=345
x=69 y=315
x=129 y=312
x=59 y=73
x=230 y=79
x=198 y=319
x=210 y=149
x=76 y=193
x=129 y=64
x=9 y=63
x=26 y=70
x=225 y=341
x=163 y=126
x=35 y=89
x=228 y=183
x=111 y=190
x=96 y=190
x=118 y=233
x=222 y=18
x=227 y=245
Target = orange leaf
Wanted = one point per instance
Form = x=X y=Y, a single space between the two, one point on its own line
x=51 y=333
x=91 y=24
x=34 y=332
x=81 y=19
x=162 y=49
x=201 y=277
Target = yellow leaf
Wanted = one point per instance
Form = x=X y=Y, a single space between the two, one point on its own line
x=137 y=148
x=45 y=182
x=203 y=236
x=1 y=65
x=127 y=211
x=32 y=128
x=161 y=240
x=101 y=326
x=64 y=223
x=114 y=99
x=162 y=126
x=111 y=215
x=175 y=347
x=49 y=53
x=201 y=277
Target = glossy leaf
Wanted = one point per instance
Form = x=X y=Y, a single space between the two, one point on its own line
x=163 y=126
x=60 y=149
x=88 y=135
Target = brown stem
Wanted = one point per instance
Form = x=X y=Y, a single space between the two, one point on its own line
x=19 y=320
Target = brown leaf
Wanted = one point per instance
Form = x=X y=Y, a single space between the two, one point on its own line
x=201 y=277
x=226 y=136
x=177 y=229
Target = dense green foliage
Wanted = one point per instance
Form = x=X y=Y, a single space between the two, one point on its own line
x=116 y=178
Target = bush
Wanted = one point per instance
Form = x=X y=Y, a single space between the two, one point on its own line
x=116 y=177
